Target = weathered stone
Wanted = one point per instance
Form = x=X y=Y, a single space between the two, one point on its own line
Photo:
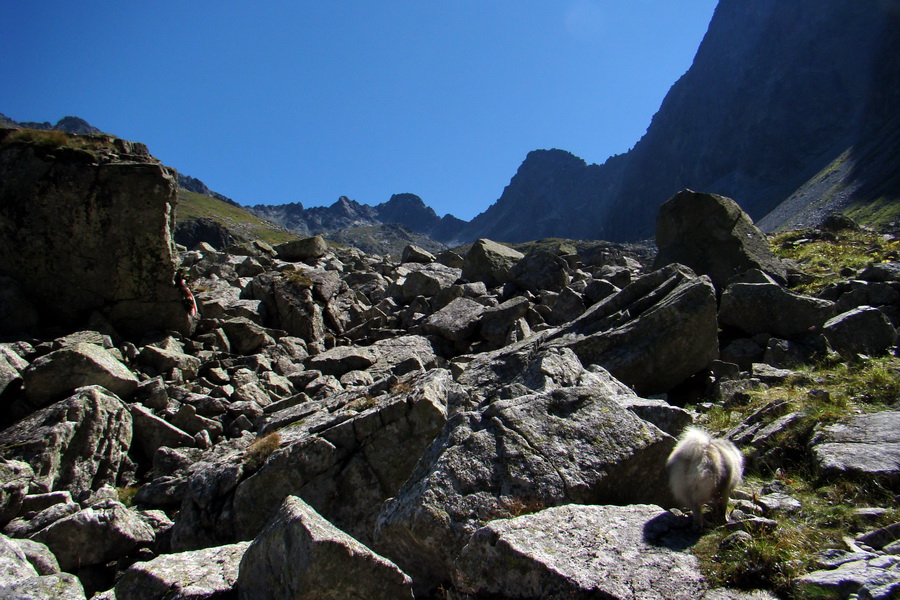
x=396 y=354
x=497 y=322
x=864 y=330
x=15 y=479
x=490 y=263
x=568 y=306
x=633 y=552
x=289 y=305
x=59 y=586
x=39 y=556
x=457 y=321
x=14 y=564
x=569 y=445
x=165 y=360
x=345 y=462
x=23 y=527
x=653 y=334
x=196 y=575
x=301 y=556
x=877 y=578
x=76 y=444
x=414 y=254
x=151 y=432
x=714 y=237
x=541 y=270
x=342 y=359
x=867 y=446
x=56 y=216
x=767 y=308
x=245 y=336
x=305 y=249
x=427 y=281
x=59 y=373
x=94 y=536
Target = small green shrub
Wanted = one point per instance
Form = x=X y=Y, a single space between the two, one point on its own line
x=127 y=494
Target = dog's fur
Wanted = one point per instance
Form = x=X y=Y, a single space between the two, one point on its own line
x=704 y=470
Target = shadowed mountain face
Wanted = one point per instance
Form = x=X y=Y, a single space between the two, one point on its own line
x=777 y=91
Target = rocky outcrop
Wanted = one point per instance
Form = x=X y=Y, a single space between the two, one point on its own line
x=714 y=237
x=301 y=555
x=527 y=452
x=77 y=444
x=57 y=207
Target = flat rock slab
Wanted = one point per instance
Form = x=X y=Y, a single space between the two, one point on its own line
x=877 y=578
x=195 y=575
x=636 y=552
x=864 y=445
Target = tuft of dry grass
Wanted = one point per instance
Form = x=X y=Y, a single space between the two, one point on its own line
x=261 y=449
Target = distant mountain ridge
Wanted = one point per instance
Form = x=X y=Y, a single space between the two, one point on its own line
x=405 y=209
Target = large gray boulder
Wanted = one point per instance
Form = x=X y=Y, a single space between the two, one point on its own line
x=58 y=374
x=713 y=236
x=197 y=575
x=457 y=321
x=427 y=280
x=541 y=270
x=653 y=334
x=349 y=456
x=77 y=444
x=863 y=330
x=14 y=564
x=490 y=262
x=568 y=445
x=289 y=304
x=866 y=446
x=57 y=211
x=636 y=552
x=301 y=556
x=96 y=535
x=305 y=249
x=151 y=432
x=769 y=308
x=342 y=359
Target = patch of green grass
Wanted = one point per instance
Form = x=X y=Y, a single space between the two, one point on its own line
x=246 y=225
x=823 y=258
x=880 y=213
x=299 y=279
x=127 y=494
x=821 y=394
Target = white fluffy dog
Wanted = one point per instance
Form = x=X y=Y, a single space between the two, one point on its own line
x=704 y=470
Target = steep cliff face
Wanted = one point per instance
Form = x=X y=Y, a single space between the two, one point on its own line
x=777 y=91
x=86 y=225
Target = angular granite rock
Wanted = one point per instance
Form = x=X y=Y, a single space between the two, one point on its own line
x=76 y=444
x=637 y=552
x=301 y=556
x=197 y=575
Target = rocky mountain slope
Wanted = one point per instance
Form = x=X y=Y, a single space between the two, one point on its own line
x=326 y=423
x=780 y=104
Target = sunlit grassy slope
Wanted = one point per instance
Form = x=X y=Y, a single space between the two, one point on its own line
x=235 y=218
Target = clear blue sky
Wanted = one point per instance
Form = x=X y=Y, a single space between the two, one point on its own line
x=305 y=101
